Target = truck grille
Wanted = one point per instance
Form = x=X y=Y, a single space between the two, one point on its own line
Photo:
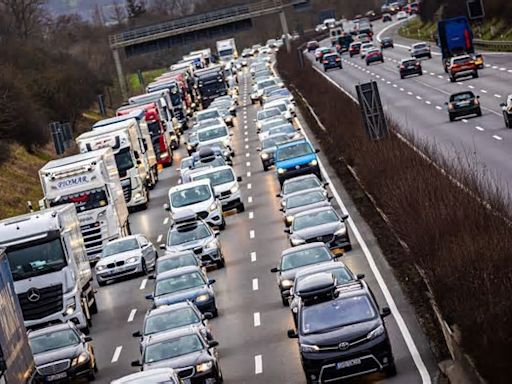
x=185 y=373
x=127 y=189
x=92 y=238
x=50 y=302
x=53 y=368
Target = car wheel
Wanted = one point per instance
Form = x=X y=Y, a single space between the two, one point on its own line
x=475 y=75
x=222 y=225
x=143 y=267
x=93 y=309
x=402 y=77
x=215 y=312
x=367 y=63
x=101 y=283
x=285 y=302
x=91 y=376
x=452 y=79
x=221 y=263
x=382 y=60
x=240 y=208
x=430 y=56
x=265 y=168
x=452 y=118
x=390 y=370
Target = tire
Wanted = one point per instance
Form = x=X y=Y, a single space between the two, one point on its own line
x=91 y=376
x=475 y=75
x=452 y=118
x=452 y=79
x=93 y=309
x=402 y=77
x=101 y=283
x=215 y=312
x=240 y=208
x=221 y=263
x=430 y=56
x=265 y=168
x=367 y=64
x=222 y=225
x=390 y=370
x=285 y=302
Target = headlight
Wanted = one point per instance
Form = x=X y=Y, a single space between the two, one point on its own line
x=309 y=348
x=376 y=332
x=134 y=259
x=70 y=309
x=189 y=147
x=204 y=367
x=202 y=298
x=212 y=244
x=296 y=241
x=212 y=207
x=228 y=118
x=289 y=219
x=313 y=163
x=234 y=189
x=286 y=283
x=281 y=171
x=100 y=267
x=80 y=359
x=138 y=195
x=341 y=232
x=264 y=155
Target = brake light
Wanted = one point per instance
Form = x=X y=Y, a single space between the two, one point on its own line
x=402 y=66
x=338 y=59
x=476 y=102
x=326 y=61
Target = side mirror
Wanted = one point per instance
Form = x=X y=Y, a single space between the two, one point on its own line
x=292 y=334
x=445 y=103
x=385 y=312
x=329 y=198
x=281 y=209
x=360 y=276
x=326 y=184
x=207 y=316
x=137 y=334
x=344 y=217
x=149 y=297
x=162 y=246
x=278 y=195
x=239 y=179
x=152 y=277
x=136 y=363
x=287 y=230
x=87 y=339
x=213 y=343
x=216 y=232
x=274 y=270
x=167 y=207
x=259 y=149
x=478 y=96
x=211 y=281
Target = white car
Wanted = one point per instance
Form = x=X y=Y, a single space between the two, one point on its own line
x=365 y=48
x=226 y=187
x=260 y=86
x=266 y=114
x=129 y=255
x=401 y=15
x=208 y=114
x=199 y=197
x=284 y=106
x=278 y=99
x=215 y=134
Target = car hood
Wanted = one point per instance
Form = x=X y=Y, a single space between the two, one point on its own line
x=291 y=273
x=188 y=360
x=189 y=245
x=197 y=207
x=319 y=230
x=58 y=354
x=218 y=189
x=301 y=160
x=319 y=204
x=178 y=297
x=348 y=333
x=118 y=257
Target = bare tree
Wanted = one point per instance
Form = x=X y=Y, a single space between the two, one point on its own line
x=117 y=13
x=25 y=15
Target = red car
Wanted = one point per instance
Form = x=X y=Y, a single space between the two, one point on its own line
x=354 y=48
x=373 y=56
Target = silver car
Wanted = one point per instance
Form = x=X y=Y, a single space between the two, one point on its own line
x=421 y=50
x=157 y=375
x=303 y=201
x=301 y=183
x=176 y=260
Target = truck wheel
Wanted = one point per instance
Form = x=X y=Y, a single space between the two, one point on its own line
x=93 y=309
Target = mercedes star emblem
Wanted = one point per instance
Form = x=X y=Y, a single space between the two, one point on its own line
x=343 y=345
x=33 y=295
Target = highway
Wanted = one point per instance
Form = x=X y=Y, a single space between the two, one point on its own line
x=417 y=102
x=252 y=323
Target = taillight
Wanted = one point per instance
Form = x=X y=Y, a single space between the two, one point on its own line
x=402 y=66
x=418 y=65
x=338 y=59
x=476 y=102
x=326 y=61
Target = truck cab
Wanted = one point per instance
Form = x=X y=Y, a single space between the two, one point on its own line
x=178 y=105
x=211 y=84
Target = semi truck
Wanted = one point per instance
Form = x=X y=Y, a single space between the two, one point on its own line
x=178 y=104
x=48 y=261
x=123 y=140
x=455 y=38
x=226 y=50
x=211 y=83
x=91 y=182
x=16 y=362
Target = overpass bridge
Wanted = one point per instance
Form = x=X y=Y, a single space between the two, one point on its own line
x=162 y=34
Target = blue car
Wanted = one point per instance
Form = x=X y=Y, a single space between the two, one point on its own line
x=294 y=158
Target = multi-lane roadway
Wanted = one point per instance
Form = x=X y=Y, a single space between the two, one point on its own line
x=252 y=322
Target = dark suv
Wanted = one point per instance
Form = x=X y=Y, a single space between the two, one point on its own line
x=342 y=334
x=332 y=60
x=463 y=104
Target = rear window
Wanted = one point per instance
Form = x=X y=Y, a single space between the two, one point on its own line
x=462 y=60
x=420 y=46
x=462 y=96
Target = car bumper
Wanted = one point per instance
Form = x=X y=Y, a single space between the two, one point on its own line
x=71 y=374
x=231 y=202
x=408 y=72
x=464 y=111
x=208 y=256
x=468 y=72
x=118 y=272
x=335 y=65
x=206 y=306
x=292 y=172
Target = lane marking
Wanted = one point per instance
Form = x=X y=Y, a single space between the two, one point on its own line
x=427 y=102
x=258 y=365
x=503 y=69
x=166 y=220
x=247 y=154
x=401 y=89
x=418 y=97
x=464 y=120
x=253 y=257
x=251 y=234
x=159 y=238
x=249 y=186
x=257 y=319
x=246 y=146
x=409 y=93
x=249 y=199
x=394 y=85
x=479 y=128
x=441 y=77
x=432 y=74
x=117 y=353
x=499 y=138
x=438 y=107
x=248 y=164
x=255 y=285
x=248 y=174
x=497 y=95
x=471 y=87
x=246 y=139
x=246 y=133
x=143 y=284
x=251 y=215
x=132 y=315
x=483 y=91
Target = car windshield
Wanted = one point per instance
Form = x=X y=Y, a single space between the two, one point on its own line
x=292 y=151
x=304 y=199
x=170 y=320
x=189 y=196
x=338 y=313
x=84 y=201
x=220 y=177
x=188 y=233
x=462 y=96
x=305 y=257
x=280 y=92
x=287 y=129
x=170 y=349
x=366 y=46
x=268 y=113
x=179 y=283
x=212 y=134
x=314 y=218
x=119 y=247
x=420 y=46
x=273 y=141
x=53 y=340
x=301 y=185
x=187 y=163
x=164 y=265
x=330 y=57
x=281 y=106
x=269 y=124
x=205 y=115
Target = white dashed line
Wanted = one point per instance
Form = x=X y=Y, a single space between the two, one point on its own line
x=248 y=164
x=497 y=137
x=427 y=102
x=159 y=238
x=257 y=319
x=494 y=67
x=488 y=65
x=438 y=107
x=117 y=353
x=246 y=133
x=249 y=186
x=464 y=120
x=249 y=199
x=479 y=128
x=503 y=69
x=394 y=85
x=388 y=82
x=401 y=89
x=471 y=87
x=247 y=154
x=251 y=234
x=246 y=139
x=143 y=284
x=497 y=95
x=166 y=220
x=251 y=215
x=253 y=257
x=432 y=74
x=258 y=364
x=409 y=93
x=245 y=126
x=255 y=284
x=441 y=77
x=509 y=71
x=132 y=315
x=248 y=174
x=418 y=97
x=483 y=91
x=246 y=146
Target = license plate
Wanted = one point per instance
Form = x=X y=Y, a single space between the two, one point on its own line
x=57 y=376
x=338 y=251
x=348 y=363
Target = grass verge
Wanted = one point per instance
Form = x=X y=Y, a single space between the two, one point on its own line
x=149 y=76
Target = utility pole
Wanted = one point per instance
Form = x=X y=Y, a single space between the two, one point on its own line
x=284 y=26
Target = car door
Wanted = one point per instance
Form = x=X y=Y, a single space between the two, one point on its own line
x=148 y=251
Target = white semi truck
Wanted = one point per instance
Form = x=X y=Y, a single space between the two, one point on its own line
x=226 y=49
x=122 y=137
x=90 y=181
x=51 y=273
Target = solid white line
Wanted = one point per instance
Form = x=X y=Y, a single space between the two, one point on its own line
x=251 y=234
x=255 y=284
x=251 y=215
x=258 y=364
x=497 y=137
x=497 y=95
x=117 y=352
x=249 y=199
x=253 y=257
x=159 y=238
x=132 y=315
x=479 y=128
x=248 y=174
x=411 y=346
x=143 y=284
x=249 y=186
x=257 y=319
x=166 y=220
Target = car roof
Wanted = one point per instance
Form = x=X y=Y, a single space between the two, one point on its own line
x=315 y=210
x=301 y=178
x=178 y=272
x=172 y=334
x=188 y=185
x=293 y=142
x=322 y=267
x=215 y=169
x=169 y=308
x=316 y=244
x=462 y=93
x=50 y=329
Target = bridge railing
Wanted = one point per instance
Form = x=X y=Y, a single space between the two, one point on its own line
x=494 y=45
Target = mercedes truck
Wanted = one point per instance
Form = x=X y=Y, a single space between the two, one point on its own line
x=91 y=182
x=47 y=258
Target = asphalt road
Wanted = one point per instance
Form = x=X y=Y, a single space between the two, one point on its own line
x=252 y=323
x=417 y=103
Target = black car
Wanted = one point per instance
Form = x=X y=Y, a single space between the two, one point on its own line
x=386 y=17
x=332 y=60
x=387 y=42
x=463 y=104
x=409 y=67
x=341 y=333
x=62 y=353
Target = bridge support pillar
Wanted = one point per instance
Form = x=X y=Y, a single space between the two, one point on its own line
x=284 y=26
x=120 y=74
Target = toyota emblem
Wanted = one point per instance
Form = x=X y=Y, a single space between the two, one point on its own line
x=343 y=345
x=33 y=295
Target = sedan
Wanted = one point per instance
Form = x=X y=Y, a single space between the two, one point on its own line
x=320 y=52
x=401 y=15
x=184 y=284
x=176 y=260
x=62 y=342
x=303 y=201
x=354 y=48
x=463 y=104
x=268 y=149
x=158 y=375
x=129 y=255
x=301 y=183
x=332 y=60
x=267 y=114
x=320 y=224
x=409 y=67
x=365 y=48
x=386 y=17
x=295 y=259
x=387 y=42
x=374 y=55
x=312 y=45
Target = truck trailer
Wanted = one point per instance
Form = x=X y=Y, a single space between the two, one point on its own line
x=455 y=38
x=226 y=50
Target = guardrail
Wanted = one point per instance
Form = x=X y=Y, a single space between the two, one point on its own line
x=495 y=45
